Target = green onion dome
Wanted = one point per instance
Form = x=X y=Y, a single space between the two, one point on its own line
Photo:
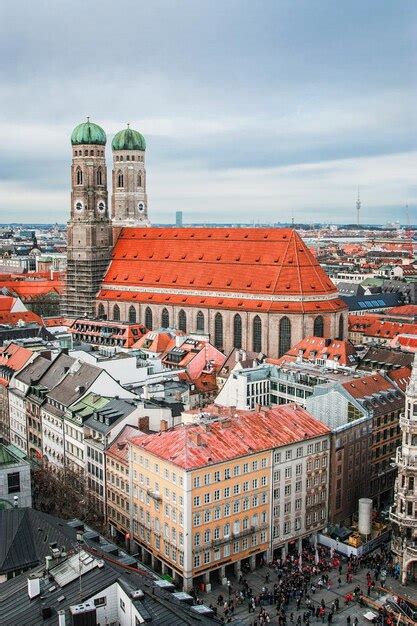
x=128 y=139
x=88 y=133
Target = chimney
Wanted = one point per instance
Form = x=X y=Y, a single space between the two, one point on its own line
x=195 y=437
x=163 y=426
x=145 y=392
x=178 y=341
x=61 y=618
x=143 y=423
x=34 y=586
x=48 y=560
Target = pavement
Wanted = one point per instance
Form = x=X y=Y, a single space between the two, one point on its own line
x=256 y=580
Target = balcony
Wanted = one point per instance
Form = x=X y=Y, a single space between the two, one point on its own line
x=403 y=520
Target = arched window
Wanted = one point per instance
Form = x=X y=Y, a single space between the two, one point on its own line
x=164 y=319
x=318 y=326
x=182 y=321
x=218 y=331
x=237 y=331
x=116 y=313
x=79 y=177
x=101 y=311
x=148 y=318
x=257 y=334
x=99 y=176
x=120 y=180
x=132 y=315
x=139 y=180
x=284 y=336
x=341 y=333
x=200 y=321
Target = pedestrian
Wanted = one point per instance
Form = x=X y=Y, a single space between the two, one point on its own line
x=339 y=582
x=348 y=620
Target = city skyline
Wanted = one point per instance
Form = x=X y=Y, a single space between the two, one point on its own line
x=251 y=113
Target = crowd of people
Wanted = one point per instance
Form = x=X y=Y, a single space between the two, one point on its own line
x=294 y=585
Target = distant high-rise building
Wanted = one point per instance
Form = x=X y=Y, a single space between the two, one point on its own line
x=178 y=219
x=358 y=208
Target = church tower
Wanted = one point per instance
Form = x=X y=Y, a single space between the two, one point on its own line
x=89 y=228
x=129 y=200
x=403 y=513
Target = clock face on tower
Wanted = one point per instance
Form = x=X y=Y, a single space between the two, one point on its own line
x=79 y=207
x=101 y=207
x=141 y=207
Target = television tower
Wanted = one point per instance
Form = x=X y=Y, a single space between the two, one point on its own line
x=358 y=208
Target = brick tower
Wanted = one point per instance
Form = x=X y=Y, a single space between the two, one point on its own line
x=89 y=228
x=129 y=200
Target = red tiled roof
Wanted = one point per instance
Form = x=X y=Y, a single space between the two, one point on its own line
x=368 y=385
x=57 y=321
x=13 y=357
x=6 y=303
x=155 y=341
x=241 y=433
x=405 y=342
x=27 y=289
x=24 y=316
x=405 y=310
x=119 y=448
x=313 y=348
x=247 y=261
x=401 y=376
x=377 y=326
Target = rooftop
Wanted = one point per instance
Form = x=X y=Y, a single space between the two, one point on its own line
x=227 y=433
x=271 y=263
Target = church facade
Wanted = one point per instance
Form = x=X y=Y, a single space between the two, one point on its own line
x=258 y=289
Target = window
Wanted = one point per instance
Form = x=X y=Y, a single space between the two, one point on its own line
x=284 y=336
x=341 y=332
x=218 y=331
x=318 y=330
x=132 y=315
x=13 y=482
x=122 y=605
x=99 y=176
x=148 y=318
x=237 y=331
x=182 y=321
x=164 y=319
x=120 y=183
x=100 y=601
x=100 y=311
x=139 y=181
x=116 y=313
x=257 y=334
x=79 y=177
x=200 y=321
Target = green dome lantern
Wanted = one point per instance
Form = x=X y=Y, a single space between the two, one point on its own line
x=128 y=139
x=88 y=133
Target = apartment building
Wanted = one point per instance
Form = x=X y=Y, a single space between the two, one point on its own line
x=369 y=406
x=202 y=493
x=12 y=359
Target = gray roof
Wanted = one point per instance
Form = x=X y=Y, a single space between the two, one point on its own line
x=104 y=419
x=57 y=370
x=77 y=381
x=159 y=607
x=34 y=370
x=26 y=536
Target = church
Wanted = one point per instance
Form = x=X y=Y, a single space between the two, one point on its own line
x=257 y=289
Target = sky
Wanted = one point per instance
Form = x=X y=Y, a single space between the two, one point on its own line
x=252 y=110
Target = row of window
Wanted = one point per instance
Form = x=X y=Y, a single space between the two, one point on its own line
x=80 y=153
x=224 y=551
x=219 y=512
x=228 y=491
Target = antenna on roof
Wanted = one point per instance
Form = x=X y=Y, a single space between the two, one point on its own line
x=88 y=118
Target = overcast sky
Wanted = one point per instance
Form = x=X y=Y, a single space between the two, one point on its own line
x=252 y=110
